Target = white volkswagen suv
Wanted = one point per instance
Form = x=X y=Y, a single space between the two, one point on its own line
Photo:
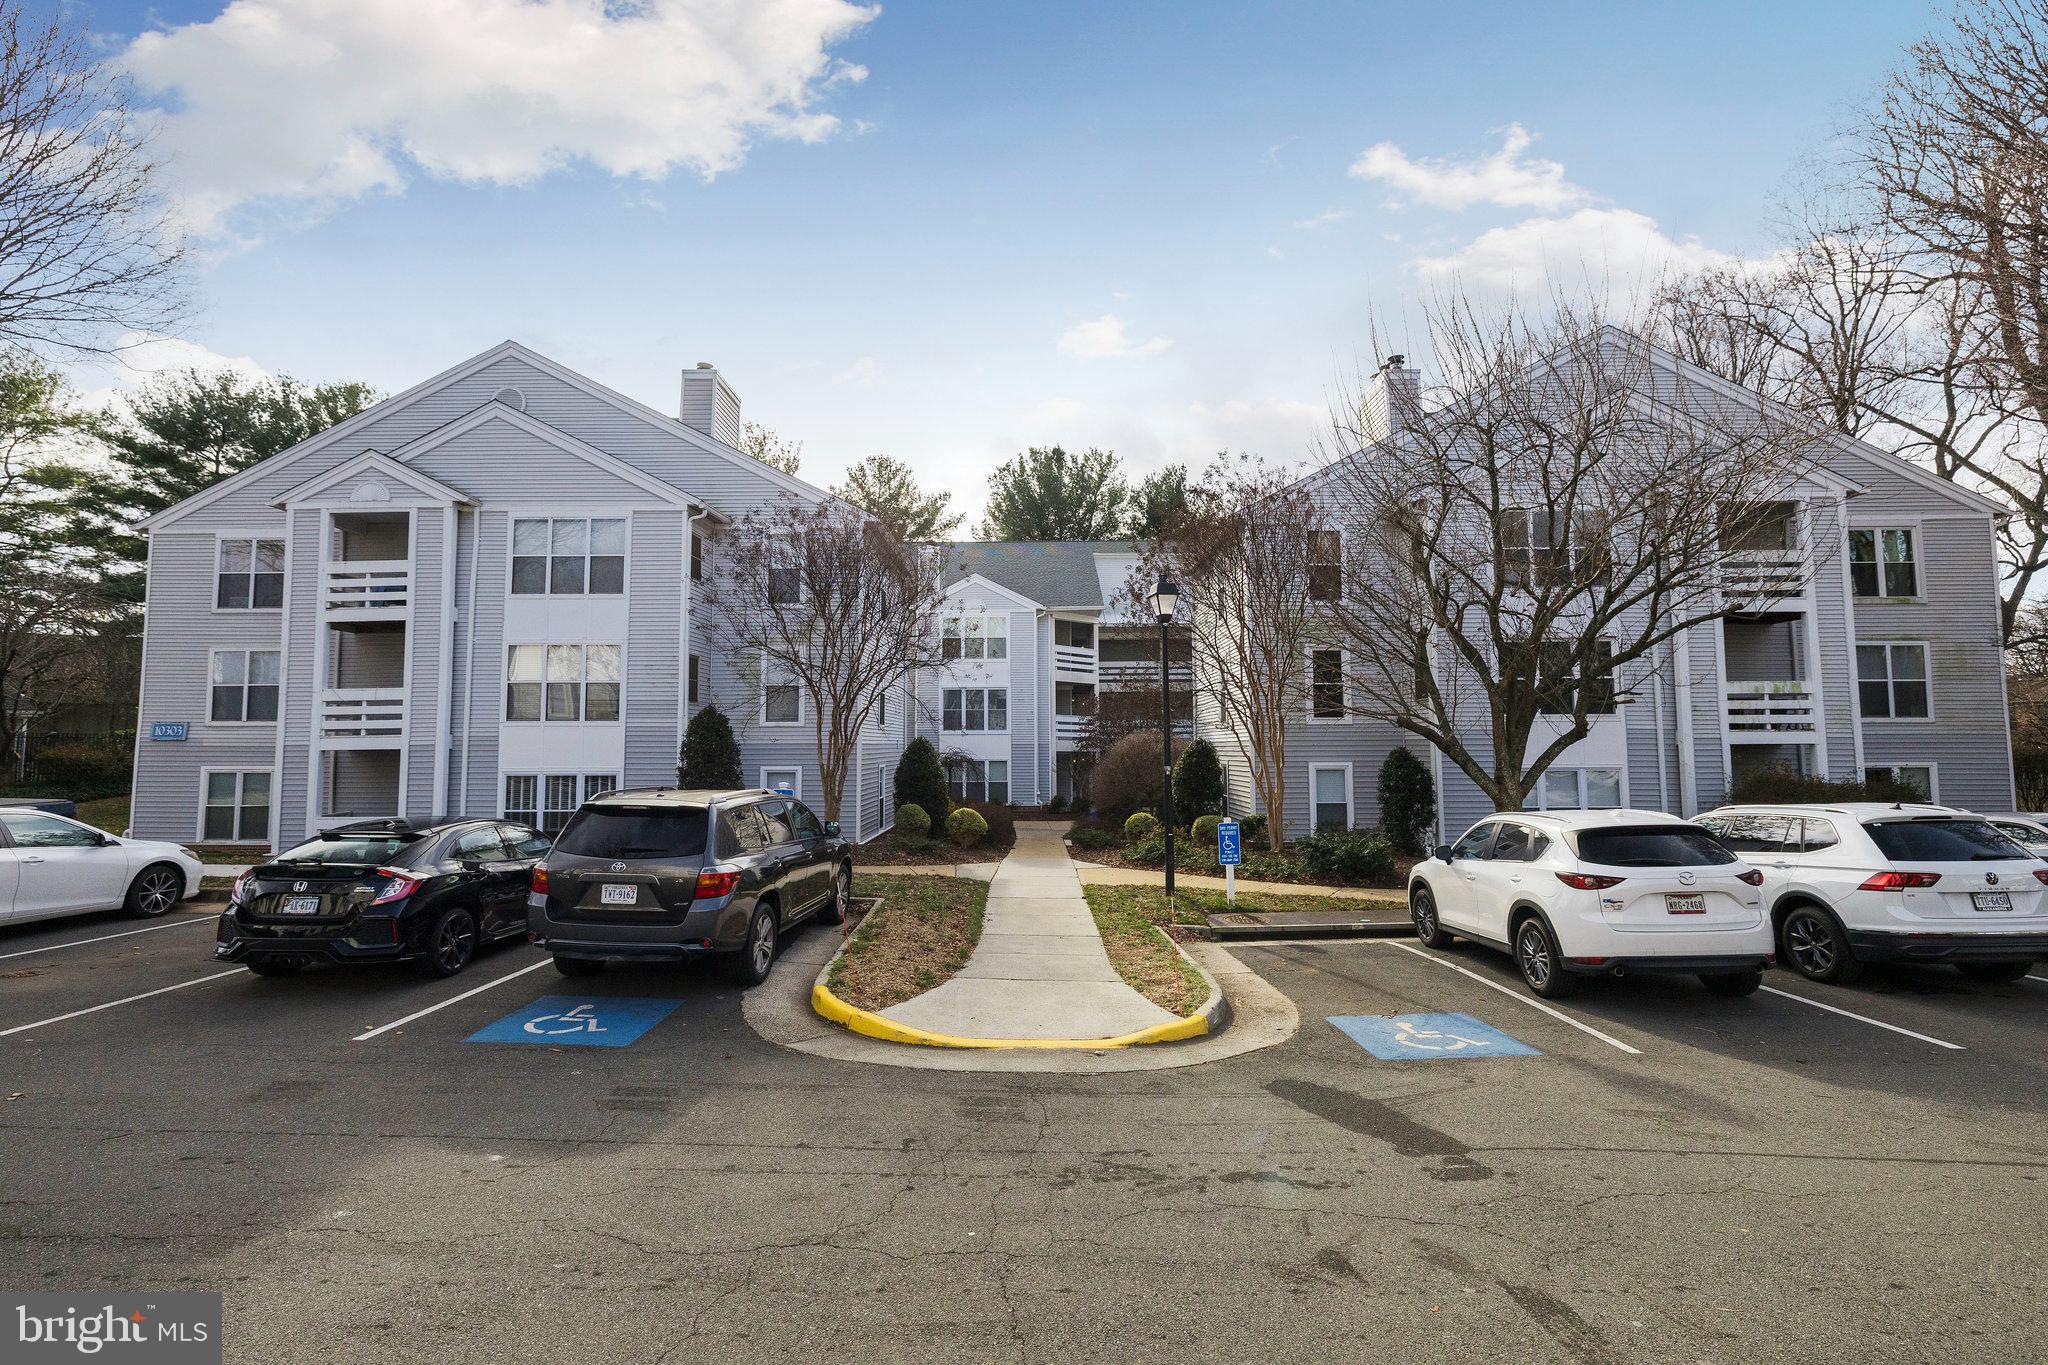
x=1868 y=882
x=1579 y=893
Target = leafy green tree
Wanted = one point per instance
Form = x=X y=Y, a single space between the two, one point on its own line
x=1197 y=781
x=921 y=779
x=710 y=756
x=887 y=488
x=1048 y=494
x=1162 y=496
x=1407 y=800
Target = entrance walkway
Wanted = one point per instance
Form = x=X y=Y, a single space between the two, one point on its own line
x=1039 y=971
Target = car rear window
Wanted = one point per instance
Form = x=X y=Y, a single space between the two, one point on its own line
x=1652 y=846
x=375 y=850
x=1942 y=841
x=636 y=832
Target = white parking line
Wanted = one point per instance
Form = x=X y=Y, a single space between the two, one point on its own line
x=125 y=933
x=451 y=1000
x=1866 y=1019
x=1513 y=994
x=125 y=1000
x=2035 y=976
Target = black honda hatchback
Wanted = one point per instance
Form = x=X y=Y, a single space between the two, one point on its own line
x=383 y=891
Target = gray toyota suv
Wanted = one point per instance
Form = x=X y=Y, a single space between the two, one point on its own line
x=664 y=874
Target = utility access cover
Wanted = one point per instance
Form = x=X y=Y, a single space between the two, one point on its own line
x=578 y=1021
x=1428 y=1037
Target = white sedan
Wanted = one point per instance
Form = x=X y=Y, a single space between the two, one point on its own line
x=51 y=866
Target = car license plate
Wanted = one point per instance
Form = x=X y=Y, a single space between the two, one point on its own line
x=612 y=893
x=1992 y=900
x=1694 y=904
x=300 y=905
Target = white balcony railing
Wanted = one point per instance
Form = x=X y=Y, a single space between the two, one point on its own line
x=1070 y=659
x=363 y=717
x=1769 y=576
x=1067 y=730
x=1126 y=676
x=1768 y=710
x=368 y=587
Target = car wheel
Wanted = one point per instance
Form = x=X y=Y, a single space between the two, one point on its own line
x=155 y=891
x=1733 y=984
x=833 y=911
x=578 y=966
x=1536 y=953
x=752 y=966
x=1428 y=928
x=1815 y=947
x=276 y=966
x=1995 y=972
x=451 y=943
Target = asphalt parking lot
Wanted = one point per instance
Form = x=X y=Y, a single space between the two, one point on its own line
x=1654 y=1173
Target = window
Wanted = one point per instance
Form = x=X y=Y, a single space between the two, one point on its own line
x=974 y=779
x=1652 y=846
x=250 y=575
x=975 y=709
x=976 y=637
x=2030 y=837
x=638 y=833
x=1881 y=562
x=1941 y=841
x=244 y=685
x=547 y=800
x=558 y=801
x=1129 y=649
x=785 y=575
x=1578 y=789
x=1325 y=566
x=782 y=696
x=1918 y=776
x=1330 y=794
x=484 y=844
x=523 y=841
x=568 y=556
x=32 y=829
x=1754 y=833
x=237 y=808
x=1534 y=546
x=775 y=817
x=1816 y=835
x=1326 y=684
x=1477 y=843
x=696 y=558
x=562 y=682
x=1891 y=681
x=693 y=680
x=786 y=780
x=1558 y=686
x=1519 y=844
x=1072 y=634
x=522 y=799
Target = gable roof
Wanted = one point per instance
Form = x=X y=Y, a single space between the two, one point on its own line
x=561 y=440
x=371 y=461
x=1051 y=573
x=991 y=587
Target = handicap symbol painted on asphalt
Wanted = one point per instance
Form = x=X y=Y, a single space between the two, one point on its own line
x=1428 y=1037
x=578 y=1021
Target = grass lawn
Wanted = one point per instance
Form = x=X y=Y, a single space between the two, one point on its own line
x=1193 y=905
x=109 y=813
x=1143 y=956
x=923 y=933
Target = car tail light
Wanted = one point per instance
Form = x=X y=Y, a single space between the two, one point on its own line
x=401 y=885
x=714 y=882
x=2041 y=875
x=1579 y=881
x=240 y=892
x=1588 y=961
x=1901 y=881
x=540 y=879
x=1756 y=878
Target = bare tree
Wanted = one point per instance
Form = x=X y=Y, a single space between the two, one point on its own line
x=1519 y=548
x=1242 y=556
x=770 y=449
x=826 y=613
x=86 y=246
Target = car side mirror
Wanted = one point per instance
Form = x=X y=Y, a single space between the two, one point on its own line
x=470 y=864
x=831 y=829
x=1442 y=853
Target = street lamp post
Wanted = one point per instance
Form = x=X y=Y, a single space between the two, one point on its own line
x=1165 y=598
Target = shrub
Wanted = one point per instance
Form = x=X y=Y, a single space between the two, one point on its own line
x=1128 y=776
x=1185 y=857
x=1407 y=800
x=912 y=822
x=1252 y=829
x=1142 y=825
x=921 y=779
x=1349 y=855
x=1056 y=805
x=1092 y=836
x=1197 y=780
x=1002 y=826
x=1203 y=832
x=966 y=827
x=710 y=756
x=82 y=769
x=1778 y=785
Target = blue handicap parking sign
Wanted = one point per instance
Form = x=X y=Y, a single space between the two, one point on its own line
x=1229 y=847
x=1428 y=1037
x=578 y=1020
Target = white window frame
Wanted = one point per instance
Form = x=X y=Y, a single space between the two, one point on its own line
x=783 y=556
x=984 y=728
x=796 y=785
x=1539 y=800
x=241 y=782
x=1336 y=565
x=582 y=716
x=1343 y=683
x=1918 y=544
x=281 y=539
x=1350 y=796
x=984 y=628
x=802 y=709
x=1933 y=774
x=588 y=785
x=966 y=788
x=247 y=655
x=625 y=556
x=1926 y=680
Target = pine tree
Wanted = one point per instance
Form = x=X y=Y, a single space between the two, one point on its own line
x=887 y=488
x=1197 y=781
x=1407 y=800
x=710 y=757
x=1047 y=494
x=921 y=780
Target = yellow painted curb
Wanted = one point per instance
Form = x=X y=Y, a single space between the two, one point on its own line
x=888 y=1030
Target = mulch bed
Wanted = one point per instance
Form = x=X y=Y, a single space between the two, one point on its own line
x=922 y=932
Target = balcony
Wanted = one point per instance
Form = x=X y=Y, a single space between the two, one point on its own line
x=1073 y=662
x=1771 y=712
x=1068 y=730
x=367 y=589
x=362 y=718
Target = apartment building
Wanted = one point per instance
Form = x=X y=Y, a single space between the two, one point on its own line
x=479 y=596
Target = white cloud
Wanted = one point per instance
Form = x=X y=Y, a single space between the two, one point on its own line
x=1105 y=338
x=141 y=356
x=321 y=101
x=1323 y=219
x=1506 y=178
x=862 y=372
x=1617 y=249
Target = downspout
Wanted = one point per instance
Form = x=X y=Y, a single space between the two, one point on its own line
x=460 y=804
x=1681 y=687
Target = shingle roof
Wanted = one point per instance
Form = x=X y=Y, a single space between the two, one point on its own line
x=1052 y=573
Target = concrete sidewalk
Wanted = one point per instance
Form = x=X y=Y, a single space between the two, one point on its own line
x=1039 y=971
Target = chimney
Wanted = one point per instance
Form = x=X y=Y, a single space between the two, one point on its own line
x=709 y=404
x=1392 y=401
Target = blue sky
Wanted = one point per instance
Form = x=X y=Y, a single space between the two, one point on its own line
x=948 y=231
